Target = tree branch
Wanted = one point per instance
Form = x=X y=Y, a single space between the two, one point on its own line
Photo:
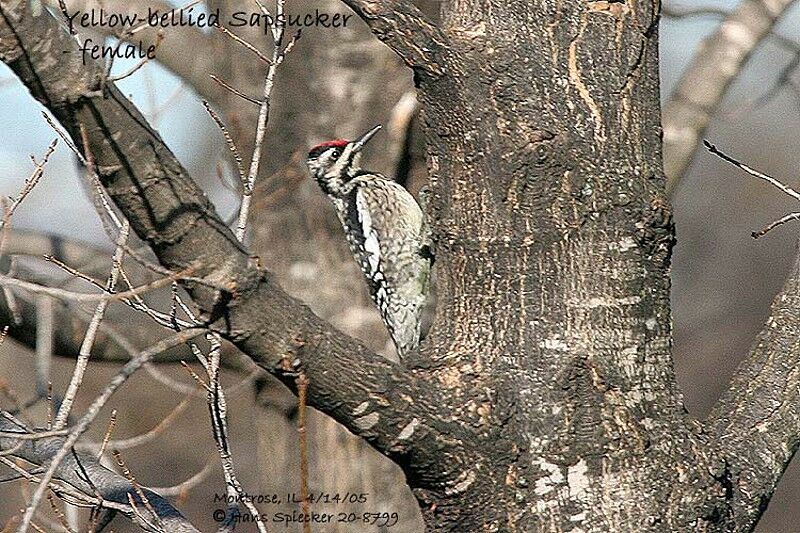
x=404 y=29
x=705 y=82
x=372 y=397
x=757 y=420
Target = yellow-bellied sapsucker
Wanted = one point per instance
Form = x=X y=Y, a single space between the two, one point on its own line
x=386 y=231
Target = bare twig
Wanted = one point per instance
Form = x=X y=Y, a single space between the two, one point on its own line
x=244 y=43
x=91 y=333
x=44 y=343
x=62 y=294
x=195 y=480
x=302 y=389
x=139 y=440
x=219 y=424
x=112 y=422
x=237 y=158
x=131 y=71
x=781 y=221
x=30 y=184
x=135 y=302
x=142 y=496
x=62 y=519
x=769 y=179
x=278 y=54
x=234 y=90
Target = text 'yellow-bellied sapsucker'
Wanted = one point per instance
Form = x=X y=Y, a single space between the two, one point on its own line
x=386 y=231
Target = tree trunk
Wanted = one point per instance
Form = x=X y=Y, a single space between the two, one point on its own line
x=553 y=240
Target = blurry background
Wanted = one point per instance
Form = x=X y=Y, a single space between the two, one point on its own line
x=723 y=280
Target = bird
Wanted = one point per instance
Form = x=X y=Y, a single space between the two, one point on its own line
x=387 y=233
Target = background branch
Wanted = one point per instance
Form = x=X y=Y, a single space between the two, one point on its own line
x=704 y=83
x=122 y=329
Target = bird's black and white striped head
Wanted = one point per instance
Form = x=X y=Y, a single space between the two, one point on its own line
x=334 y=163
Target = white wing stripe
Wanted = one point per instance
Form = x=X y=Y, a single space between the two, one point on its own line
x=371 y=244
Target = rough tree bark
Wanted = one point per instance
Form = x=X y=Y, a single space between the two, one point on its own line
x=544 y=398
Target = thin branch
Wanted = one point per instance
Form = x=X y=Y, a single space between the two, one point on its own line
x=112 y=422
x=235 y=91
x=84 y=297
x=690 y=12
x=183 y=487
x=30 y=184
x=91 y=333
x=302 y=390
x=72 y=319
x=237 y=158
x=135 y=68
x=780 y=222
x=141 y=439
x=760 y=175
x=769 y=179
x=278 y=53
x=246 y=44
x=44 y=344
x=218 y=409
x=142 y=496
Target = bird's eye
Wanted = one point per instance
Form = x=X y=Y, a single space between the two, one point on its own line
x=336 y=153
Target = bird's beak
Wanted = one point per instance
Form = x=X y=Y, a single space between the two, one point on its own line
x=359 y=144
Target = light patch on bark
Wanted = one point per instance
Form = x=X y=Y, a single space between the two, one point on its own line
x=636 y=397
x=463 y=483
x=577 y=480
x=555 y=343
x=614 y=8
x=408 y=430
x=303 y=270
x=361 y=409
x=583 y=91
x=624 y=244
x=630 y=350
x=680 y=135
x=367 y=422
x=651 y=323
x=595 y=302
x=550 y=481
